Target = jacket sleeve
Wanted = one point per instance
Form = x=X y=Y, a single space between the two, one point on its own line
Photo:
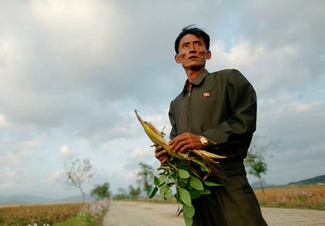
x=173 y=132
x=234 y=135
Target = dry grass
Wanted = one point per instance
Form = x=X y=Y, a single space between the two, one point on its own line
x=309 y=197
x=40 y=214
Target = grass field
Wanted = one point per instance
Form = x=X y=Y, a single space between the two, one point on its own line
x=40 y=214
x=305 y=197
x=68 y=214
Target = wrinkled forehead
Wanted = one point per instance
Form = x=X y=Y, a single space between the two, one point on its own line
x=190 y=38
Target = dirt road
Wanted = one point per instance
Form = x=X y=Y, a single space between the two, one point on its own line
x=122 y=213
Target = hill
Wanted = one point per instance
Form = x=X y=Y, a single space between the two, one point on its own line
x=310 y=181
x=29 y=199
x=256 y=185
x=314 y=180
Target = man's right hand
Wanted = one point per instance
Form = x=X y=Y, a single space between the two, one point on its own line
x=161 y=154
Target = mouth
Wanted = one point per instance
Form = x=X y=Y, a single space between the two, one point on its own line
x=192 y=57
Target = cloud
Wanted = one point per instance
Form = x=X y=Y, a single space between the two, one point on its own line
x=18 y=157
x=136 y=153
x=293 y=120
x=66 y=153
x=10 y=172
x=3 y=122
x=285 y=73
x=81 y=34
x=55 y=177
x=5 y=186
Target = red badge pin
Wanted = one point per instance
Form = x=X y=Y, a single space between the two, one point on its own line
x=206 y=94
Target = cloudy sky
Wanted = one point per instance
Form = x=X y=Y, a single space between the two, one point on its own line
x=73 y=71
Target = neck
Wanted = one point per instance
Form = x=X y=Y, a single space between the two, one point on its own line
x=191 y=74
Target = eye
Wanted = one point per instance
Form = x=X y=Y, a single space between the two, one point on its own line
x=185 y=46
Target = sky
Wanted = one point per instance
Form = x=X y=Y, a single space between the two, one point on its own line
x=72 y=72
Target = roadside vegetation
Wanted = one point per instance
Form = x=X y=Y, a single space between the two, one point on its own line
x=69 y=214
x=302 y=197
x=41 y=214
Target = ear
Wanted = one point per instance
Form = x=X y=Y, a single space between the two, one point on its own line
x=177 y=60
x=209 y=55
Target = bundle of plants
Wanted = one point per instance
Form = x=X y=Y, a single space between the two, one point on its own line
x=187 y=172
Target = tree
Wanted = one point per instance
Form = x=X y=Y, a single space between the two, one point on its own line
x=121 y=194
x=146 y=175
x=134 y=192
x=255 y=160
x=77 y=172
x=101 y=191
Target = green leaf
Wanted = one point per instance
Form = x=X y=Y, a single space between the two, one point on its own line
x=205 y=192
x=183 y=174
x=153 y=192
x=194 y=194
x=209 y=183
x=196 y=183
x=177 y=197
x=183 y=183
x=188 y=211
x=188 y=221
x=162 y=178
x=168 y=194
x=203 y=169
x=184 y=196
x=156 y=180
x=163 y=190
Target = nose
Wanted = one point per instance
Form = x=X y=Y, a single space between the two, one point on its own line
x=192 y=48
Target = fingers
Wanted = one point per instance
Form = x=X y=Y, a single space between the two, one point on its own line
x=180 y=143
x=163 y=160
x=161 y=154
x=184 y=142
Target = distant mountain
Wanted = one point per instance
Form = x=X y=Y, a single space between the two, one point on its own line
x=77 y=198
x=29 y=199
x=24 y=199
x=315 y=180
x=13 y=202
x=256 y=185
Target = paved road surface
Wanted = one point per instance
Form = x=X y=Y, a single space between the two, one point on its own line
x=123 y=213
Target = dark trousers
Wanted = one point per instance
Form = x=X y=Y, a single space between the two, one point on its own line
x=233 y=204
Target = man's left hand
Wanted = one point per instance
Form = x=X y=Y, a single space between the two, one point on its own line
x=185 y=141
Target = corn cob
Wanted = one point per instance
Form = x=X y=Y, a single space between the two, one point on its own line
x=203 y=158
x=156 y=137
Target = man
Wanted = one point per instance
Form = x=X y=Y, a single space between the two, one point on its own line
x=215 y=112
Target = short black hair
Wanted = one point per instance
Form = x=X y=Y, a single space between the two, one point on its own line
x=190 y=29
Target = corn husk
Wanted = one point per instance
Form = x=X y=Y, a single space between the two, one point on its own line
x=207 y=160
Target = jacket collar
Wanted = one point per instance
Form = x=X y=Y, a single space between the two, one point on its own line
x=198 y=79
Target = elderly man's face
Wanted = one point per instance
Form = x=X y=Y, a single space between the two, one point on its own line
x=192 y=52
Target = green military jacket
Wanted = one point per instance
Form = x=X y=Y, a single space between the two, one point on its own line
x=222 y=107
